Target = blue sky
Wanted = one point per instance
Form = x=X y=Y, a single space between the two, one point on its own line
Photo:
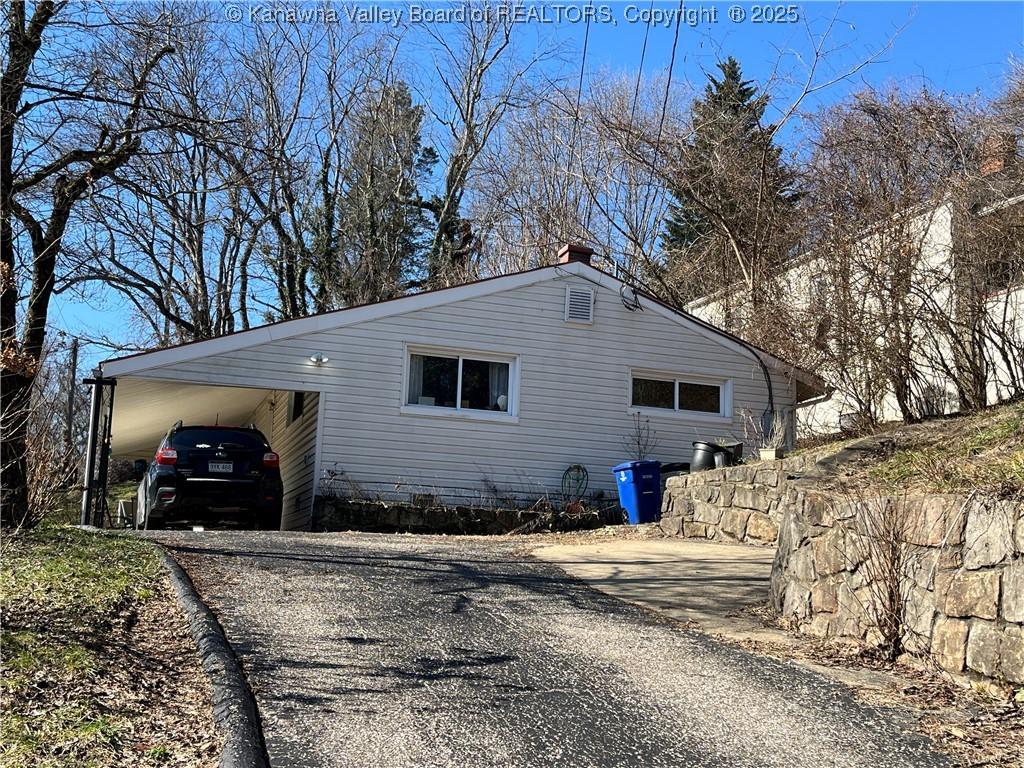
x=959 y=47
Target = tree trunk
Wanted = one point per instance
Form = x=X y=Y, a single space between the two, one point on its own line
x=16 y=396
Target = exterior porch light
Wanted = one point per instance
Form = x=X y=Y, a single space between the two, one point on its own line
x=319 y=359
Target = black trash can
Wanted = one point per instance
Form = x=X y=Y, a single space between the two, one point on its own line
x=711 y=455
x=736 y=449
x=703 y=456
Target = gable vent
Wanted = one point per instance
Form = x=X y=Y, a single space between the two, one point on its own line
x=579 y=305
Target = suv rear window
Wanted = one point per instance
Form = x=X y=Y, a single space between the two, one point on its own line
x=209 y=437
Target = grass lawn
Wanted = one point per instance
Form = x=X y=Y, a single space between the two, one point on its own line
x=92 y=642
x=979 y=451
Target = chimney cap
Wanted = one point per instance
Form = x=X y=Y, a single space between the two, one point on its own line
x=574 y=252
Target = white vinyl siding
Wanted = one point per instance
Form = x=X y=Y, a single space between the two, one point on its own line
x=571 y=401
x=295 y=442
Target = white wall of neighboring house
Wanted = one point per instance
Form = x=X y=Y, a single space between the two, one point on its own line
x=932 y=233
x=571 y=390
x=1006 y=312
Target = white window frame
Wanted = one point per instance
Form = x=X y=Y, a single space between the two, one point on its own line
x=725 y=399
x=511 y=416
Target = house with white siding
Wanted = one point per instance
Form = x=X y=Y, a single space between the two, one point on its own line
x=489 y=390
x=810 y=284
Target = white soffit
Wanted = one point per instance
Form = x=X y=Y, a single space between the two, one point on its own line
x=144 y=409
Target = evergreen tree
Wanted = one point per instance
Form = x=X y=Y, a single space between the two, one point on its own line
x=731 y=193
x=375 y=233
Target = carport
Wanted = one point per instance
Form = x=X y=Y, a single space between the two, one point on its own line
x=132 y=413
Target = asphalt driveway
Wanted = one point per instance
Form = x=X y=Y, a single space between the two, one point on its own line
x=371 y=650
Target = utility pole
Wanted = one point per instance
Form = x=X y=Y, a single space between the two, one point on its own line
x=69 y=427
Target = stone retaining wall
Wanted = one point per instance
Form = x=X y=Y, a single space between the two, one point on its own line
x=961 y=575
x=743 y=503
x=746 y=503
x=332 y=514
x=344 y=514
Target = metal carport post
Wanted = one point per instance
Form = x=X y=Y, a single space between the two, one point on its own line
x=92 y=512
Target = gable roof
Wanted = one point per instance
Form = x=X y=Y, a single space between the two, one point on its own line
x=325 y=321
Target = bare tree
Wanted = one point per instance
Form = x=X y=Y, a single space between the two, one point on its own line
x=528 y=200
x=641 y=441
x=175 y=234
x=554 y=175
x=70 y=117
x=918 y=251
x=482 y=77
x=726 y=166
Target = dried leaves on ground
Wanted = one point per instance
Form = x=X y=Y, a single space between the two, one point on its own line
x=954 y=454
x=99 y=667
x=976 y=725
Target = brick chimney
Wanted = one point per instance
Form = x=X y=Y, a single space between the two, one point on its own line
x=574 y=252
x=998 y=152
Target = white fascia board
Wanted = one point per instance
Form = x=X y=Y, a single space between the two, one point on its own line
x=324 y=322
x=1002 y=204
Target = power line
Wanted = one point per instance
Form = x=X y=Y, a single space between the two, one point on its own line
x=664 y=106
x=640 y=70
x=668 y=86
x=579 y=99
x=579 y=92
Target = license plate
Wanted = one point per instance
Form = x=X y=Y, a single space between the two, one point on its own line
x=222 y=466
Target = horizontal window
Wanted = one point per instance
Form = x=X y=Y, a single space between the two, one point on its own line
x=706 y=398
x=654 y=393
x=461 y=383
x=677 y=394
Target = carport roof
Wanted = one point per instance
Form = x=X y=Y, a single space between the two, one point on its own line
x=144 y=409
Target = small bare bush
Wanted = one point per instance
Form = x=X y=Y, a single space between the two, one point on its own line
x=641 y=441
x=767 y=432
x=51 y=467
x=880 y=547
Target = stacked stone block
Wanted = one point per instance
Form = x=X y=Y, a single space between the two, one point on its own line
x=743 y=503
x=961 y=577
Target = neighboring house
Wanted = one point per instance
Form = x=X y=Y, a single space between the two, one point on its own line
x=481 y=393
x=933 y=233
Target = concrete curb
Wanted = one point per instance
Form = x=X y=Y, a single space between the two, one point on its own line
x=234 y=706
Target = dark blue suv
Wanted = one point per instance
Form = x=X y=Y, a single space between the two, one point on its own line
x=210 y=474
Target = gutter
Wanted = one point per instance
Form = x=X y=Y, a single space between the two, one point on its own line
x=816 y=400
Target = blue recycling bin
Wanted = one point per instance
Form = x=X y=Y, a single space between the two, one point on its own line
x=639 y=484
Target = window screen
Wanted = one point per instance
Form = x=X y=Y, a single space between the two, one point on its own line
x=706 y=398
x=484 y=385
x=435 y=381
x=652 y=393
